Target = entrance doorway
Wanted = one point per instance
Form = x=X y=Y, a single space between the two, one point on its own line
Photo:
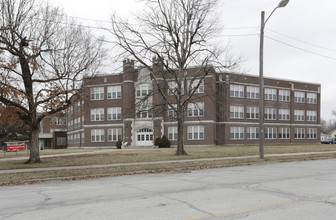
x=145 y=137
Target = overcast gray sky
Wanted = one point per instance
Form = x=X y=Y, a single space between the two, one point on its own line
x=300 y=39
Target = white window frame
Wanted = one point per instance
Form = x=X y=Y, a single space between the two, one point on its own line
x=97 y=114
x=114 y=134
x=192 y=86
x=236 y=91
x=284 y=114
x=252 y=112
x=299 y=115
x=311 y=98
x=284 y=95
x=114 y=113
x=143 y=90
x=270 y=94
x=196 y=109
x=97 y=135
x=114 y=92
x=236 y=112
x=252 y=92
x=252 y=133
x=236 y=133
x=284 y=133
x=171 y=112
x=97 y=93
x=270 y=133
x=299 y=133
x=299 y=97
x=311 y=115
x=196 y=132
x=172 y=133
x=270 y=114
x=311 y=133
x=144 y=112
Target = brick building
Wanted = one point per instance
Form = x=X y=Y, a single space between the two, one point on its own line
x=53 y=132
x=224 y=111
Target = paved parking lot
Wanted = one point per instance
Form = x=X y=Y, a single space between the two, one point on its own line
x=296 y=190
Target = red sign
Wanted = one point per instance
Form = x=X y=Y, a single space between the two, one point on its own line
x=16 y=146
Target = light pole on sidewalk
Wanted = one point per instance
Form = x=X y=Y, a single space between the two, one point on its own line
x=282 y=4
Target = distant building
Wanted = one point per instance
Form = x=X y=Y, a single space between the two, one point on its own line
x=53 y=132
x=226 y=111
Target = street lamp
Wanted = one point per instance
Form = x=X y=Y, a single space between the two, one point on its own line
x=282 y=4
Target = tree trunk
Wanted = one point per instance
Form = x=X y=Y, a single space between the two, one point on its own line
x=180 y=138
x=34 y=147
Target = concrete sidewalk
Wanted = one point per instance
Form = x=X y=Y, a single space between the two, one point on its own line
x=147 y=163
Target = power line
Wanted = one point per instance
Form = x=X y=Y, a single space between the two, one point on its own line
x=314 y=45
x=308 y=51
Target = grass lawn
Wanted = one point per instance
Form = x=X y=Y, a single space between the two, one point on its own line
x=128 y=156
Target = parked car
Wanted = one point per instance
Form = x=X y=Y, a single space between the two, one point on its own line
x=329 y=141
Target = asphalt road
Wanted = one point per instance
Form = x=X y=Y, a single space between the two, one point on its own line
x=296 y=190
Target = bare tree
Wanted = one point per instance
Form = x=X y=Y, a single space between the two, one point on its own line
x=44 y=57
x=179 y=34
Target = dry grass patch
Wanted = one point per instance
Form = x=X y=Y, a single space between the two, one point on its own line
x=75 y=174
x=149 y=155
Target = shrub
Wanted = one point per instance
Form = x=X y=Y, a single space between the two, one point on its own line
x=157 y=141
x=165 y=143
x=118 y=144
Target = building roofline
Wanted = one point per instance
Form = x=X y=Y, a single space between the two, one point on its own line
x=273 y=78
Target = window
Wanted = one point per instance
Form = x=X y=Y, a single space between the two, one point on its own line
x=144 y=111
x=59 y=121
x=237 y=91
x=113 y=92
x=252 y=112
x=284 y=95
x=252 y=92
x=114 y=134
x=311 y=133
x=284 y=114
x=97 y=93
x=311 y=115
x=145 y=134
x=196 y=109
x=299 y=97
x=195 y=132
x=70 y=125
x=194 y=84
x=311 y=98
x=97 y=114
x=76 y=138
x=284 y=133
x=70 y=110
x=252 y=133
x=172 y=133
x=299 y=133
x=143 y=90
x=61 y=140
x=270 y=114
x=299 y=115
x=77 y=122
x=270 y=133
x=171 y=111
x=114 y=113
x=270 y=94
x=236 y=133
x=237 y=112
x=82 y=120
x=173 y=88
x=83 y=137
x=70 y=139
x=97 y=135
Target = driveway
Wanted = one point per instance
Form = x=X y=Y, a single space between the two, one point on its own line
x=295 y=190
